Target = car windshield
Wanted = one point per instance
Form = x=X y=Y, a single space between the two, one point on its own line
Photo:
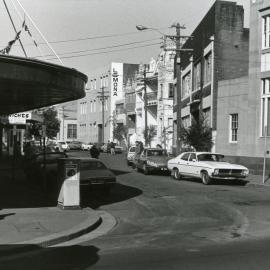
x=132 y=149
x=152 y=153
x=92 y=165
x=210 y=157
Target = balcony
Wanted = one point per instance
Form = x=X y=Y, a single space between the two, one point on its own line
x=151 y=99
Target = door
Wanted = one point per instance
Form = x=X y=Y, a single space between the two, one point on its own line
x=182 y=164
x=192 y=165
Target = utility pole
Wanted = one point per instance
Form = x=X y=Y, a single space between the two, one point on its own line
x=145 y=107
x=178 y=88
x=102 y=97
x=178 y=38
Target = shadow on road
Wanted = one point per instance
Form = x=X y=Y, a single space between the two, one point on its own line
x=220 y=182
x=95 y=199
x=50 y=258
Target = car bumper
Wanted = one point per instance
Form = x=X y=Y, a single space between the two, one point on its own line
x=228 y=177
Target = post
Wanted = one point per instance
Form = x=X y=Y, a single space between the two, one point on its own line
x=63 y=119
x=145 y=108
x=103 y=115
x=264 y=155
x=178 y=89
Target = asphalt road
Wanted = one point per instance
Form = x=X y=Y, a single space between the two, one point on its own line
x=168 y=224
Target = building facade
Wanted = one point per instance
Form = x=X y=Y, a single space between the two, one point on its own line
x=103 y=105
x=247 y=115
x=220 y=45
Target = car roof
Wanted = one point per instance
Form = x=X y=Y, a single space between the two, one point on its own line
x=156 y=148
x=199 y=153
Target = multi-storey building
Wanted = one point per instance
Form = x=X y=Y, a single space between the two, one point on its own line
x=146 y=100
x=244 y=103
x=154 y=96
x=165 y=95
x=103 y=105
x=220 y=50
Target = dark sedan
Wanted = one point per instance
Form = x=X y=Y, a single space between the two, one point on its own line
x=94 y=173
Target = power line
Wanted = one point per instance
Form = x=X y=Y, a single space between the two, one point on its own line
x=89 y=54
x=103 y=48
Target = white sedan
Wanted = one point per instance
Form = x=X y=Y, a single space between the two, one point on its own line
x=86 y=146
x=206 y=166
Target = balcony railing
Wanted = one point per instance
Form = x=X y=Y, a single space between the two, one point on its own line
x=152 y=98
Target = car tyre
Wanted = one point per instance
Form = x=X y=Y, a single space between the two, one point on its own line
x=145 y=169
x=176 y=174
x=205 y=178
x=138 y=169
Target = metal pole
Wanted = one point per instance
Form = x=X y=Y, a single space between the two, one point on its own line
x=178 y=88
x=145 y=108
x=14 y=27
x=103 y=115
x=264 y=158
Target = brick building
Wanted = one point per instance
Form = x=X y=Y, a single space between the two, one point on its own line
x=244 y=104
x=220 y=43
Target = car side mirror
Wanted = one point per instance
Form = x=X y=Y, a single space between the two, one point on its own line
x=194 y=160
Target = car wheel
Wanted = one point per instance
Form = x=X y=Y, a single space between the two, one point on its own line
x=128 y=163
x=205 y=178
x=138 y=169
x=145 y=169
x=176 y=174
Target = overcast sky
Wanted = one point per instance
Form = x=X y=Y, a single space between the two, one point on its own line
x=76 y=28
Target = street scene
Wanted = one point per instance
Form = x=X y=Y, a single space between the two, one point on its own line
x=134 y=134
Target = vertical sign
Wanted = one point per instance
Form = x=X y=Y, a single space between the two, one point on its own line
x=116 y=84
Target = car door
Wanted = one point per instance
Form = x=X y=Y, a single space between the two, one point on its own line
x=182 y=164
x=192 y=165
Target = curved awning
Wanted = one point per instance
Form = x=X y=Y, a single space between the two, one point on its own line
x=26 y=84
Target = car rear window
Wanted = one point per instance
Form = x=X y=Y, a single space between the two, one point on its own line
x=92 y=165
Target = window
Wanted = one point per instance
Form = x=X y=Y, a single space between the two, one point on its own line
x=197 y=76
x=265 y=107
x=185 y=157
x=94 y=106
x=207 y=116
x=208 y=68
x=186 y=86
x=266 y=32
x=234 y=127
x=171 y=90
x=161 y=91
x=192 y=156
x=72 y=131
x=186 y=121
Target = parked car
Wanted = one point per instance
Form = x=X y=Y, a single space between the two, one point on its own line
x=118 y=149
x=94 y=173
x=75 y=145
x=33 y=165
x=63 y=145
x=206 y=166
x=152 y=159
x=86 y=146
x=131 y=155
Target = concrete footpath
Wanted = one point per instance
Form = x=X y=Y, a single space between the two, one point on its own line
x=29 y=219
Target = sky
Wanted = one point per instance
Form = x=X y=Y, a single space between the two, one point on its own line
x=90 y=34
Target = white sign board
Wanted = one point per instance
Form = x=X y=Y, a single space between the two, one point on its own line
x=19 y=118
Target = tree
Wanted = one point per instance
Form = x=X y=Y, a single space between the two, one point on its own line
x=120 y=133
x=51 y=122
x=151 y=133
x=198 y=135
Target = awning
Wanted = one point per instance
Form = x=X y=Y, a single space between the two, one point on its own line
x=27 y=84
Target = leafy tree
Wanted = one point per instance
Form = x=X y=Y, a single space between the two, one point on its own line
x=198 y=135
x=150 y=133
x=120 y=133
x=51 y=122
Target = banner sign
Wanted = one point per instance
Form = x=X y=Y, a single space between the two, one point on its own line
x=19 y=118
